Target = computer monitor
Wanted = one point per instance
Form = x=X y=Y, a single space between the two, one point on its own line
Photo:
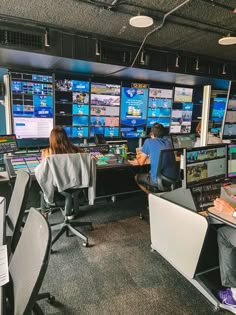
x=31 y=105
x=205 y=165
x=229 y=122
x=104 y=109
x=183 y=140
x=8 y=143
x=181 y=117
x=231 y=160
x=72 y=107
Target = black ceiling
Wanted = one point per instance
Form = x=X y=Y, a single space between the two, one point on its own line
x=194 y=29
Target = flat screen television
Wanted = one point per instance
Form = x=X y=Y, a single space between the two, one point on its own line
x=229 y=122
x=31 y=105
x=133 y=112
x=181 y=117
x=159 y=106
x=204 y=165
x=72 y=99
x=104 y=110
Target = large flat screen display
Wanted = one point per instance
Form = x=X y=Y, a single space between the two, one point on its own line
x=133 y=111
x=72 y=107
x=217 y=112
x=159 y=106
x=104 y=109
x=32 y=105
x=229 y=122
x=181 y=117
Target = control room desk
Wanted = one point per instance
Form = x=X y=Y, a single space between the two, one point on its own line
x=112 y=180
x=180 y=236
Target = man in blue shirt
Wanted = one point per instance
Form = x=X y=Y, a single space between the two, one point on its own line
x=151 y=149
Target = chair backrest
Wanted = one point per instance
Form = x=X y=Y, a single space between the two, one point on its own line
x=168 y=170
x=65 y=171
x=17 y=206
x=29 y=262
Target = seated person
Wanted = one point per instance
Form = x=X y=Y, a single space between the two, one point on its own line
x=151 y=149
x=211 y=138
x=227 y=256
x=59 y=143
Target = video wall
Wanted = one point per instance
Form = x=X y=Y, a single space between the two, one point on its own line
x=85 y=108
x=217 y=111
x=32 y=105
x=229 y=129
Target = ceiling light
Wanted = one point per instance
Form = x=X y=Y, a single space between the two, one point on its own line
x=141 y=21
x=227 y=40
x=46 y=39
x=224 y=69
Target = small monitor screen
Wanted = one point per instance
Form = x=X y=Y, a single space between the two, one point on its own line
x=80 y=86
x=106 y=131
x=205 y=164
x=183 y=94
x=231 y=160
x=183 y=141
x=135 y=132
x=8 y=143
x=76 y=132
x=63 y=85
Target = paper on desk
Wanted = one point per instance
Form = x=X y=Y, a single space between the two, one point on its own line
x=4 y=273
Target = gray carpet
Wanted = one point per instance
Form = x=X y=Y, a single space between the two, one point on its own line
x=118 y=274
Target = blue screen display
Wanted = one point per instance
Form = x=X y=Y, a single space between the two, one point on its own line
x=187 y=106
x=159 y=112
x=80 y=86
x=43 y=100
x=106 y=131
x=80 y=120
x=159 y=103
x=77 y=132
x=134 y=106
x=80 y=109
x=136 y=132
x=164 y=121
x=16 y=87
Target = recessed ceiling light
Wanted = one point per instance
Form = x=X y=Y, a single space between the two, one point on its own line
x=227 y=40
x=141 y=21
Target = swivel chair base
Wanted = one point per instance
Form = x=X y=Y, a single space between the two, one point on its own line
x=68 y=226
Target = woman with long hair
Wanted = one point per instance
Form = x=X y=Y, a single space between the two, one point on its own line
x=59 y=143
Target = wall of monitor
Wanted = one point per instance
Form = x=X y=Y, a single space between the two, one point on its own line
x=85 y=107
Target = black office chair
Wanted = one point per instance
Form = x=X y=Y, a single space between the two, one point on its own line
x=28 y=266
x=168 y=174
x=75 y=172
x=16 y=209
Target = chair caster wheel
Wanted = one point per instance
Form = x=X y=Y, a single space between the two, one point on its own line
x=91 y=228
x=85 y=244
x=141 y=216
x=51 y=300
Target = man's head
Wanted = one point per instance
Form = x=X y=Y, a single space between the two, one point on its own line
x=157 y=131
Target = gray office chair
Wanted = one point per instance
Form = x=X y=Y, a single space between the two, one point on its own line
x=16 y=209
x=28 y=265
x=75 y=172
